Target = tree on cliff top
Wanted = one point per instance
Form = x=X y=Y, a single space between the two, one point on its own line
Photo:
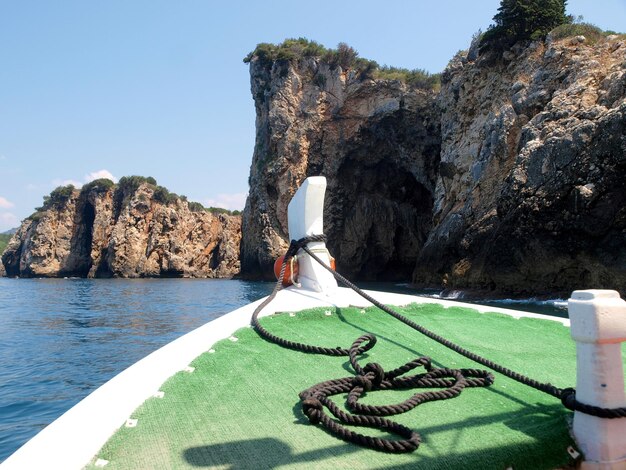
x=57 y=198
x=519 y=20
x=101 y=185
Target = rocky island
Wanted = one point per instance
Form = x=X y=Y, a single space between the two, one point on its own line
x=133 y=229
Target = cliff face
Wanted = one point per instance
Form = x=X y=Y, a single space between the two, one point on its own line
x=376 y=141
x=511 y=178
x=104 y=233
x=531 y=191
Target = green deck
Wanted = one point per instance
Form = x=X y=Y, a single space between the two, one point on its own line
x=240 y=407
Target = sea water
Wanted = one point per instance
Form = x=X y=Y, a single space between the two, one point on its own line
x=60 y=339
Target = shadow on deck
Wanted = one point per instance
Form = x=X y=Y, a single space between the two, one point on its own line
x=273 y=453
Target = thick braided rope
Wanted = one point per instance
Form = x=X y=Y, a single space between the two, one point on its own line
x=371 y=377
x=567 y=395
x=308 y=348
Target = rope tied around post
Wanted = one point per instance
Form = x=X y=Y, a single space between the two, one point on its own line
x=372 y=377
x=293 y=249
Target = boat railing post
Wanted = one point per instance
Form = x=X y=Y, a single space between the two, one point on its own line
x=306 y=217
x=598 y=325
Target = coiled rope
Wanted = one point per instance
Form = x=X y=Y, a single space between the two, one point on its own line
x=451 y=382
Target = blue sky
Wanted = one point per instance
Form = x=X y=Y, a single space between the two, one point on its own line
x=156 y=88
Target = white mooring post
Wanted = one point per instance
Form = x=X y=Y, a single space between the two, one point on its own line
x=306 y=217
x=598 y=325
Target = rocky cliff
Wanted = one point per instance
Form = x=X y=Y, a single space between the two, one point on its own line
x=103 y=231
x=377 y=142
x=531 y=190
x=511 y=178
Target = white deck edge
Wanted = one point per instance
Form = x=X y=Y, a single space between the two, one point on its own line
x=73 y=440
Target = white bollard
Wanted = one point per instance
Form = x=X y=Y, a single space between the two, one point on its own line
x=598 y=325
x=306 y=217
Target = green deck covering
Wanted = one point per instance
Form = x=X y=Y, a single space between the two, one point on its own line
x=240 y=407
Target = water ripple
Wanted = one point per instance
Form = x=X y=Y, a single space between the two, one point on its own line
x=62 y=338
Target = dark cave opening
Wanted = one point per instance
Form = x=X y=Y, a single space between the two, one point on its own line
x=382 y=219
x=85 y=240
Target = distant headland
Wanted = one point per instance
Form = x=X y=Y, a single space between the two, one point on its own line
x=135 y=228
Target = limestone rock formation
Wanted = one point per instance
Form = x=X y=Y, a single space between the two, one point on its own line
x=108 y=232
x=512 y=178
x=376 y=141
x=531 y=191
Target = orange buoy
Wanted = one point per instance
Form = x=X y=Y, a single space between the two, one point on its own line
x=292 y=266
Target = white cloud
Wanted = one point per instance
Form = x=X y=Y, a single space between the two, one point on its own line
x=100 y=174
x=31 y=187
x=233 y=201
x=5 y=203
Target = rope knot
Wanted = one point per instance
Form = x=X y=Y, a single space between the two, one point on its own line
x=292 y=250
x=312 y=408
x=296 y=245
x=568 y=398
x=362 y=381
x=378 y=372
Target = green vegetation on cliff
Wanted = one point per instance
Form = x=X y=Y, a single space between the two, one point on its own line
x=197 y=207
x=101 y=185
x=130 y=184
x=289 y=49
x=4 y=240
x=519 y=20
x=523 y=20
x=57 y=198
x=164 y=196
x=418 y=78
x=123 y=191
x=343 y=56
x=591 y=32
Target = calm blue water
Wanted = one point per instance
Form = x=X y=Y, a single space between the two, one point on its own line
x=62 y=338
